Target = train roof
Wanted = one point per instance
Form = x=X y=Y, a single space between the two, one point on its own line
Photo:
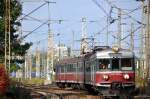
x=70 y=60
x=100 y=52
x=110 y=53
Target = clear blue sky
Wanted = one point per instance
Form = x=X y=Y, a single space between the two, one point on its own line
x=72 y=11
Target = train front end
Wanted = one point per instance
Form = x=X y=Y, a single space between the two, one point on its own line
x=115 y=71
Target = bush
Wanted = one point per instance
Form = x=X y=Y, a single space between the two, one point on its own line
x=33 y=81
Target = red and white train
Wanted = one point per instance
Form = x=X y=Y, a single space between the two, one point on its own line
x=105 y=70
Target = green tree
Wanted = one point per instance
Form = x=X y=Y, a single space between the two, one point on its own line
x=17 y=48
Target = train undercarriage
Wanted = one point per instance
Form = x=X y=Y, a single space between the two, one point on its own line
x=114 y=90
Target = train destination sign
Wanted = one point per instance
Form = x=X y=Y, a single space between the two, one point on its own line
x=115 y=55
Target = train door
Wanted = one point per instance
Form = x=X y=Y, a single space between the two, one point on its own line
x=92 y=73
x=58 y=72
x=79 y=72
x=87 y=72
x=65 y=70
x=76 y=72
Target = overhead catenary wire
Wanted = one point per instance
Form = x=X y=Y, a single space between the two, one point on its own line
x=100 y=30
x=27 y=15
x=32 y=0
x=96 y=2
x=133 y=31
x=33 y=11
x=34 y=30
x=136 y=9
x=124 y=13
x=32 y=18
x=108 y=15
x=114 y=6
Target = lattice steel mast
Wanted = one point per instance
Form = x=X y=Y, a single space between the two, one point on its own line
x=84 y=43
x=7 y=33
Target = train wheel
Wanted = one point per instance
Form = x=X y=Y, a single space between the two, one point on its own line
x=61 y=85
x=78 y=86
x=81 y=86
x=73 y=86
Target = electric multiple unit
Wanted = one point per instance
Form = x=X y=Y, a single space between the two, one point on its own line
x=104 y=70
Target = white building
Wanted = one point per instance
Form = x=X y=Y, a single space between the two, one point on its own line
x=61 y=51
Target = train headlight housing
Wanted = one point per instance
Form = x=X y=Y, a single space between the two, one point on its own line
x=126 y=76
x=105 y=77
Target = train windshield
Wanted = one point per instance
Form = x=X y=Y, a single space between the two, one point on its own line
x=126 y=64
x=104 y=64
x=116 y=64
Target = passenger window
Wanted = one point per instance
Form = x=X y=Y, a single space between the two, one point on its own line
x=88 y=67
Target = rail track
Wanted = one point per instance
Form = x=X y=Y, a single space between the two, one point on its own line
x=53 y=92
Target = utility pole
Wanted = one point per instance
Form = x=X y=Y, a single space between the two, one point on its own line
x=119 y=28
x=43 y=65
x=132 y=38
x=72 y=45
x=59 y=51
x=142 y=66
x=50 y=52
x=107 y=34
x=30 y=64
x=7 y=33
x=84 y=44
x=37 y=62
x=144 y=42
x=50 y=57
x=148 y=40
x=25 y=67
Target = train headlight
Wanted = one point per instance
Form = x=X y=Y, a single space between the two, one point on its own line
x=105 y=77
x=126 y=76
x=115 y=49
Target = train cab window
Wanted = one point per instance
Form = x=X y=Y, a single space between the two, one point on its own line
x=126 y=64
x=115 y=63
x=104 y=64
